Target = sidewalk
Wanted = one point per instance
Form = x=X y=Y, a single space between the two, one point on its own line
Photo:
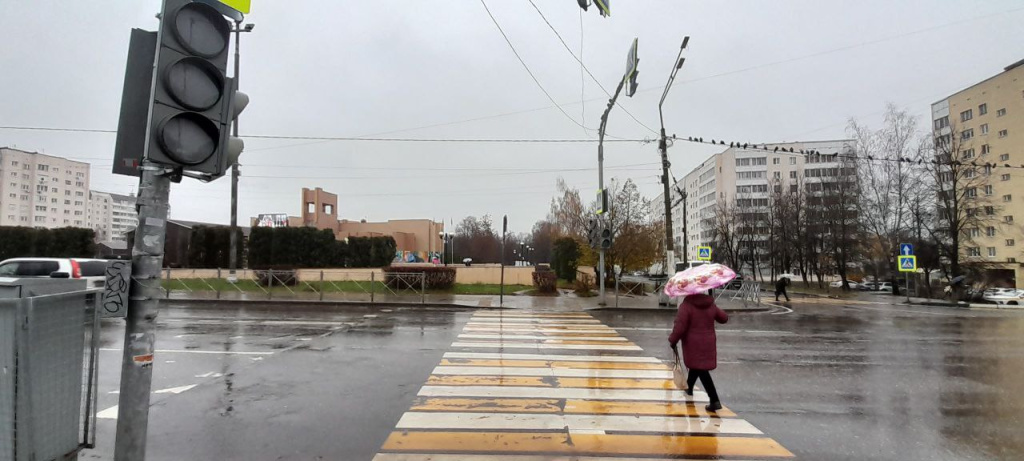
x=564 y=303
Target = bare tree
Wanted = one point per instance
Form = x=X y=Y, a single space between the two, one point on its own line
x=724 y=227
x=834 y=205
x=568 y=212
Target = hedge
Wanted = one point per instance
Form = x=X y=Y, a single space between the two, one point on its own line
x=210 y=247
x=545 y=282
x=437 y=278
x=65 y=242
x=307 y=247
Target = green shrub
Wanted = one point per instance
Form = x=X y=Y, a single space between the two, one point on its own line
x=436 y=278
x=565 y=258
x=210 y=247
x=65 y=242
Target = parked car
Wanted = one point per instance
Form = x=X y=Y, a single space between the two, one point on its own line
x=787 y=275
x=1011 y=298
x=995 y=291
x=839 y=284
x=885 y=286
x=84 y=268
x=735 y=283
x=869 y=286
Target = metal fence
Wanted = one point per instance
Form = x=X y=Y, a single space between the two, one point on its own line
x=48 y=354
x=305 y=285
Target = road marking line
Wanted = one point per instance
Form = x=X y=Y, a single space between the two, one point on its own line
x=552 y=371
x=615 y=444
x=577 y=341
x=210 y=374
x=551 y=331
x=176 y=351
x=546 y=346
x=667 y=395
x=513 y=315
x=175 y=390
x=576 y=423
x=542 y=381
x=570 y=358
x=570 y=406
x=570 y=322
x=542 y=337
x=109 y=413
x=553 y=364
x=467 y=457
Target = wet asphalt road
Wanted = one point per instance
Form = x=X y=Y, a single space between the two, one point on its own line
x=831 y=380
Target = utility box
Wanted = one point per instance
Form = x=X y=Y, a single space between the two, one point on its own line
x=20 y=287
x=48 y=371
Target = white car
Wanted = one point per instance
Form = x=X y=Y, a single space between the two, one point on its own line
x=1013 y=298
x=75 y=268
x=885 y=286
x=839 y=284
x=787 y=275
x=999 y=291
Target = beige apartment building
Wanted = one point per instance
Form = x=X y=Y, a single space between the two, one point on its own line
x=39 y=190
x=111 y=215
x=988 y=120
x=748 y=176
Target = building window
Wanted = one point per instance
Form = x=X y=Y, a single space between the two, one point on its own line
x=974 y=233
x=988 y=189
x=328 y=208
x=941 y=123
x=41 y=208
x=776 y=160
x=1003 y=133
x=1007 y=198
x=1005 y=177
x=53 y=200
x=1011 y=260
x=792 y=175
x=984 y=128
x=987 y=169
x=1010 y=242
x=777 y=175
x=973 y=251
x=990 y=231
x=967 y=134
x=969 y=153
x=972 y=192
x=42 y=167
x=983 y=109
x=1000 y=112
x=1004 y=158
x=310 y=208
x=41 y=188
x=990 y=210
x=40 y=219
x=14 y=163
x=67 y=183
x=792 y=160
x=991 y=252
x=792 y=188
x=1008 y=219
x=985 y=149
x=966 y=115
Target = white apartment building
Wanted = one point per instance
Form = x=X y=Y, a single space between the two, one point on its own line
x=39 y=190
x=111 y=216
x=749 y=175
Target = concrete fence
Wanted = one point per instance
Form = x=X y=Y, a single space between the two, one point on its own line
x=489 y=274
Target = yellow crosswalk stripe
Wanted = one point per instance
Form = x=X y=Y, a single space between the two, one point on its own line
x=554 y=364
x=571 y=406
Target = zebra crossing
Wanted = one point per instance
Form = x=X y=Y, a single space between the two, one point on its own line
x=525 y=386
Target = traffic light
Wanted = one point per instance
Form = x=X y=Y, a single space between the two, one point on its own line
x=606 y=238
x=602 y=6
x=593 y=233
x=193 y=100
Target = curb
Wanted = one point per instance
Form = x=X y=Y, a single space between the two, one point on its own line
x=229 y=303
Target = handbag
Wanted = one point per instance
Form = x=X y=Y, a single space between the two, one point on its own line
x=678 y=372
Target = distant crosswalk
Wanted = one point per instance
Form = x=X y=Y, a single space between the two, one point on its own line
x=524 y=386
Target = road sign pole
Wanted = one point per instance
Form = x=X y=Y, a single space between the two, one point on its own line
x=908 y=286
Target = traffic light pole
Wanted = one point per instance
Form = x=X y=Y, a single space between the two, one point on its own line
x=143 y=304
x=600 y=178
x=233 y=256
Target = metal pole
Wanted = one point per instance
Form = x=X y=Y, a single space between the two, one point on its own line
x=373 y=276
x=686 y=230
x=665 y=164
x=600 y=178
x=143 y=306
x=233 y=257
x=321 y=285
x=501 y=295
x=907 y=276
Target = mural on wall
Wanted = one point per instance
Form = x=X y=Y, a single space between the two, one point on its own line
x=417 y=257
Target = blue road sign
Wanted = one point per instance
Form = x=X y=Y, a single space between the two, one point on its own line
x=704 y=253
x=906 y=249
x=908 y=263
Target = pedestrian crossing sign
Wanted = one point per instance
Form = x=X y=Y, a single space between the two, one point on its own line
x=704 y=253
x=908 y=263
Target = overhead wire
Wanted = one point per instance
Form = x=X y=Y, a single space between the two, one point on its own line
x=526 y=67
x=584 y=67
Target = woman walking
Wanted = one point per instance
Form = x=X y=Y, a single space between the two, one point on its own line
x=695 y=327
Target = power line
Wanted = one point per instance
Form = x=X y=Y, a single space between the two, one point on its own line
x=521 y=61
x=584 y=67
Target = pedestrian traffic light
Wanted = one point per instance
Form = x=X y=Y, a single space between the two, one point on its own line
x=606 y=237
x=593 y=233
x=193 y=100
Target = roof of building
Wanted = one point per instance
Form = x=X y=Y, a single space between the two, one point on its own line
x=43 y=154
x=1005 y=70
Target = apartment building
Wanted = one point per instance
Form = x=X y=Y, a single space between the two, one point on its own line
x=748 y=177
x=112 y=216
x=39 y=190
x=987 y=121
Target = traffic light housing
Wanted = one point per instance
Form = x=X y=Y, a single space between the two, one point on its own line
x=593 y=233
x=193 y=102
x=606 y=238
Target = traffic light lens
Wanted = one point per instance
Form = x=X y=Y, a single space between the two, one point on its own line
x=201 y=29
x=194 y=83
x=188 y=138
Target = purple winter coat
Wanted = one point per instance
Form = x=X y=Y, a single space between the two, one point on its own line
x=695 y=326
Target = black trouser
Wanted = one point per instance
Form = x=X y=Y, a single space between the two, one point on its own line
x=705 y=380
x=781 y=292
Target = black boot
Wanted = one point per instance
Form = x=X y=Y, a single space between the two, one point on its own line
x=713 y=407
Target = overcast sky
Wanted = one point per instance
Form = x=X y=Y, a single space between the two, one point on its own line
x=755 y=71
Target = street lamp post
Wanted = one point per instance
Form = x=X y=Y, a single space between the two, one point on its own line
x=663 y=147
x=233 y=256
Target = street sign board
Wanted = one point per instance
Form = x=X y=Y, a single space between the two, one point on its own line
x=241 y=6
x=908 y=263
x=906 y=249
x=704 y=253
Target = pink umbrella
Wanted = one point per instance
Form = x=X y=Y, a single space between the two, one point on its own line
x=698 y=280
